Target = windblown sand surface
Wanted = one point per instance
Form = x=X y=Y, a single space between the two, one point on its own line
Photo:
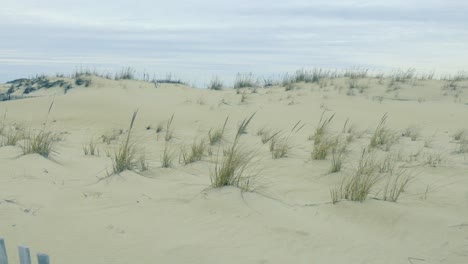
x=68 y=206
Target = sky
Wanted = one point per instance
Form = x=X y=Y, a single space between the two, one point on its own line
x=196 y=40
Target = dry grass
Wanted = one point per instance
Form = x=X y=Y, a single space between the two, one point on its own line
x=322 y=128
x=383 y=137
x=125 y=156
x=245 y=81
x=91 y=148
x=216 y=136
x=460 y=134
x=195 y=153
x=412 y=132
x=358 y=186
x=462 y=146
x=168 y=156
x=338 y=152
x=279 y=146
x=231 y=171
x=323 y=143
x=40 y=142
x=11 y=136
x=323 y=148
x=395 y=184
x=215 y=84
x=169 y=131
x=433 y=159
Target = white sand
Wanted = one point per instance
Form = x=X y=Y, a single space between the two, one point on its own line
x=58 y=206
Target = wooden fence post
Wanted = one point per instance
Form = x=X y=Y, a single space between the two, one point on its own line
x=42 y=258
x=3 y=254
x=24 y=256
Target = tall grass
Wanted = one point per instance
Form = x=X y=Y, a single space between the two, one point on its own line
x=127 y=73
x=245 y=81
x=215 y=84
x=231 y=171
x=125 y=156
x=322 y=128
x=167 y=159
x=395 y=184
x=91 y=148
x=382 y=135
x=216 y=136
x=11 y=136
x=41 y=142
x=279 y=146
x=169 y=131
x=338 y=152
x=358 y=186
x=195 y=152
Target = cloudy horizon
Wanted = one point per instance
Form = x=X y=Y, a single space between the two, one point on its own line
x=197 y=40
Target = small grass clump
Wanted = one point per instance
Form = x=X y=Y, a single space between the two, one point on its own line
x=83 y=80
x=11 y=136
x=169 y=131
x=322 y=128
x=395 y=184
x=279 y=146
x=462 y=146
x=231 y=171
x=127 y=73
x=323 y=144
x=383 y=137
x=412 y=132
x=125 y=156
x=338 y=152
x=167 y=159
x=215 y=136
x=196 y=152
x=245 y=81
x=215 y=84
x=358 y=186
x=323 y=148
x=433 y=159
x=91 y=148
x=460 y=134
x=40 y=142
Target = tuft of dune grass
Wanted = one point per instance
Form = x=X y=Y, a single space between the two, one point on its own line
x=215 y=84
x=91 y=148
x=338 y=152
x=395 y=184
x=231 y=170
x=383 y=136
x=195 y=153
x=11 y=136
x=167 y=159
x=358 y=186
x=126 y=156
x=40 y=142
x=216 y=136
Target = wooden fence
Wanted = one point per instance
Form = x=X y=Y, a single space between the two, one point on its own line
x=24 y=256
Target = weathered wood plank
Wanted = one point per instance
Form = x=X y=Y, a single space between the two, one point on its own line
x=42 y=258
x=24 y=256
x=3 y=254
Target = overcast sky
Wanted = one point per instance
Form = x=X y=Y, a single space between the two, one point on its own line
x=198 y=39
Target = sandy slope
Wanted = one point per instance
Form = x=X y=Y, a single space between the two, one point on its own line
x=60 y=206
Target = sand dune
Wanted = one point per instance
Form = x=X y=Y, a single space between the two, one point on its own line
x=71 y=206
